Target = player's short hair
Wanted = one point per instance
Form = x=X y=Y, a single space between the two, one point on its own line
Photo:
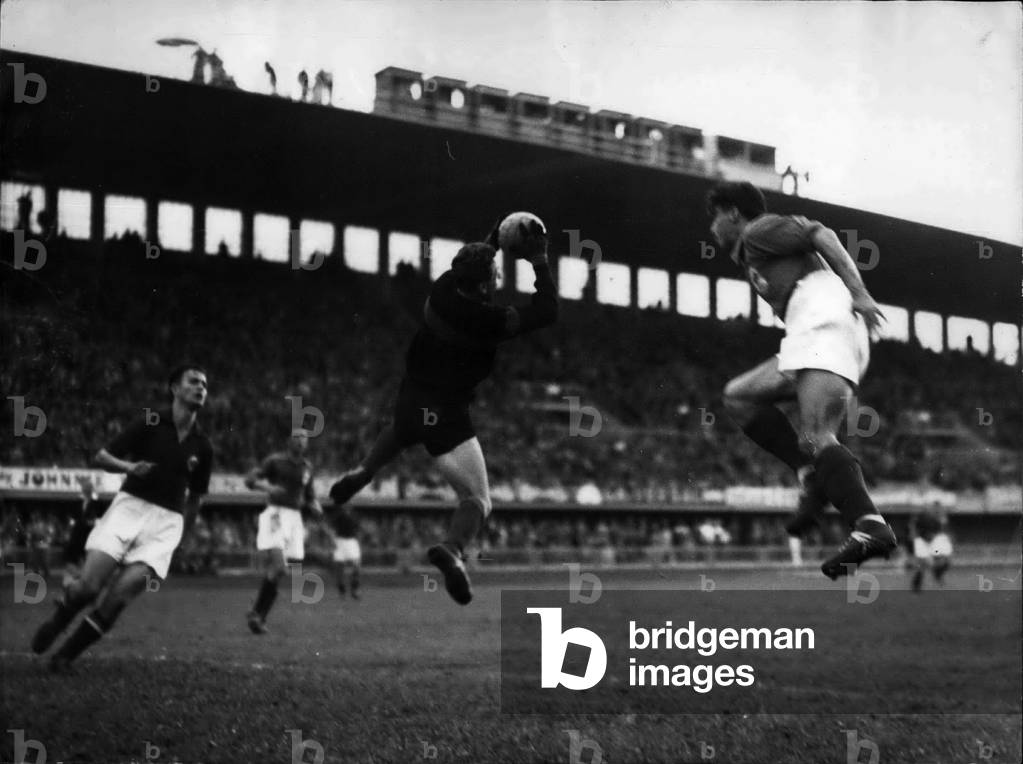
x=471 y=265
x=743 y=195
x=179 y=371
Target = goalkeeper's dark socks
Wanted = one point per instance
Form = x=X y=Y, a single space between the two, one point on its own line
x=89 y=631
x=918 y=579
x=265 y=598
x=839 y=477
x=940 y=568
x=465 y=523
x=772 y=431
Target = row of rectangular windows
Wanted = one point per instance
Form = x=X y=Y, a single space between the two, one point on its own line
x=272 y=241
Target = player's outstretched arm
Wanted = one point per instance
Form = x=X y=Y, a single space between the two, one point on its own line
x=107 y=461
x=256 y=480
x=827 y=243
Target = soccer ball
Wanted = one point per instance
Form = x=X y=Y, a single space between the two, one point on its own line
x=515 y=228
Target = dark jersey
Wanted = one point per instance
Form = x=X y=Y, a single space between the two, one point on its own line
x=293 y=476
x=776 y=251
x=928 y=525
x=180 y=466
x=346 y=525
x=455 y=348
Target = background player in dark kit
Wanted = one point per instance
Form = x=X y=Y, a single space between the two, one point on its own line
x=449 y=356
x=287 y=477
x=347 y=555
x=168 y=463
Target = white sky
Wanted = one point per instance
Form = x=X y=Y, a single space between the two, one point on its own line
x=912 y=110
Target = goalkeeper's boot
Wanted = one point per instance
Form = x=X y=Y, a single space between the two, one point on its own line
x=868 y=539
x=456 y=580
x=348 y=485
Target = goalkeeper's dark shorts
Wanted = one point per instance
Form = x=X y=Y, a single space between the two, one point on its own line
x=432 y=418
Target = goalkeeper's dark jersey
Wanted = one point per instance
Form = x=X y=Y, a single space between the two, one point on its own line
x=455 y=348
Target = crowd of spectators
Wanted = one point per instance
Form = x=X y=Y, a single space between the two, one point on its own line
x=90 y=337
x=226 y=537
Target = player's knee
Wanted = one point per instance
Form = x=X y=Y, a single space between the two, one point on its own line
x=815 y=440
x=481 y=503
x=739 y=409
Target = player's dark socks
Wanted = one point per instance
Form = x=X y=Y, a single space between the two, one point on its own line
x=918 y=579
x=89 y=631
x=266 y=597
x=772 y=431
x=841 y=480
x=940 y=568
x=355 y=583
x=50 y=629
x=465 y=523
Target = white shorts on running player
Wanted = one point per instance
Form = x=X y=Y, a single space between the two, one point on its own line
x=347 y=550
x=939 y=546
x=821 y=330
x=282 y=528
x=135 y=530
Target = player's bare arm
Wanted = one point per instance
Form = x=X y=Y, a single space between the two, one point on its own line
x=830 y=248
x=107 y=461
x=256 y=480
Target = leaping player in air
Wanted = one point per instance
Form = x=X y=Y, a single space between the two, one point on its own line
x=167 y=461
x=449 y=356
x=804 y=273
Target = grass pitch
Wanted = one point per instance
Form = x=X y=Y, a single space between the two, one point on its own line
x=407 y=676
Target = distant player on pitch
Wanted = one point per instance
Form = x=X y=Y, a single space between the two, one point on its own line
x=932 y=548
x=449 y=356
x=287 y=478
x=804 y=273
x=347 y=551
x=167 y=461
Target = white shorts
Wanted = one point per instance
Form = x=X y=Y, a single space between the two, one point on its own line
x=347 y=550
x=821 y=330
x=134 y=530
x=282 y=528
x=939 y=546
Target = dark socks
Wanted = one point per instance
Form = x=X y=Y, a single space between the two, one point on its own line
x=771 y=430
x=840 y=478
x=465 y=523
x=918 y=579
x=92 y=627
x=265 y=598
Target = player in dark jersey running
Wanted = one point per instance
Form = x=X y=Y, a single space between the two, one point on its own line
x=347 y=551
x=804 y=273
x=287 y=478
x=449 y=356
x=167 y=463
